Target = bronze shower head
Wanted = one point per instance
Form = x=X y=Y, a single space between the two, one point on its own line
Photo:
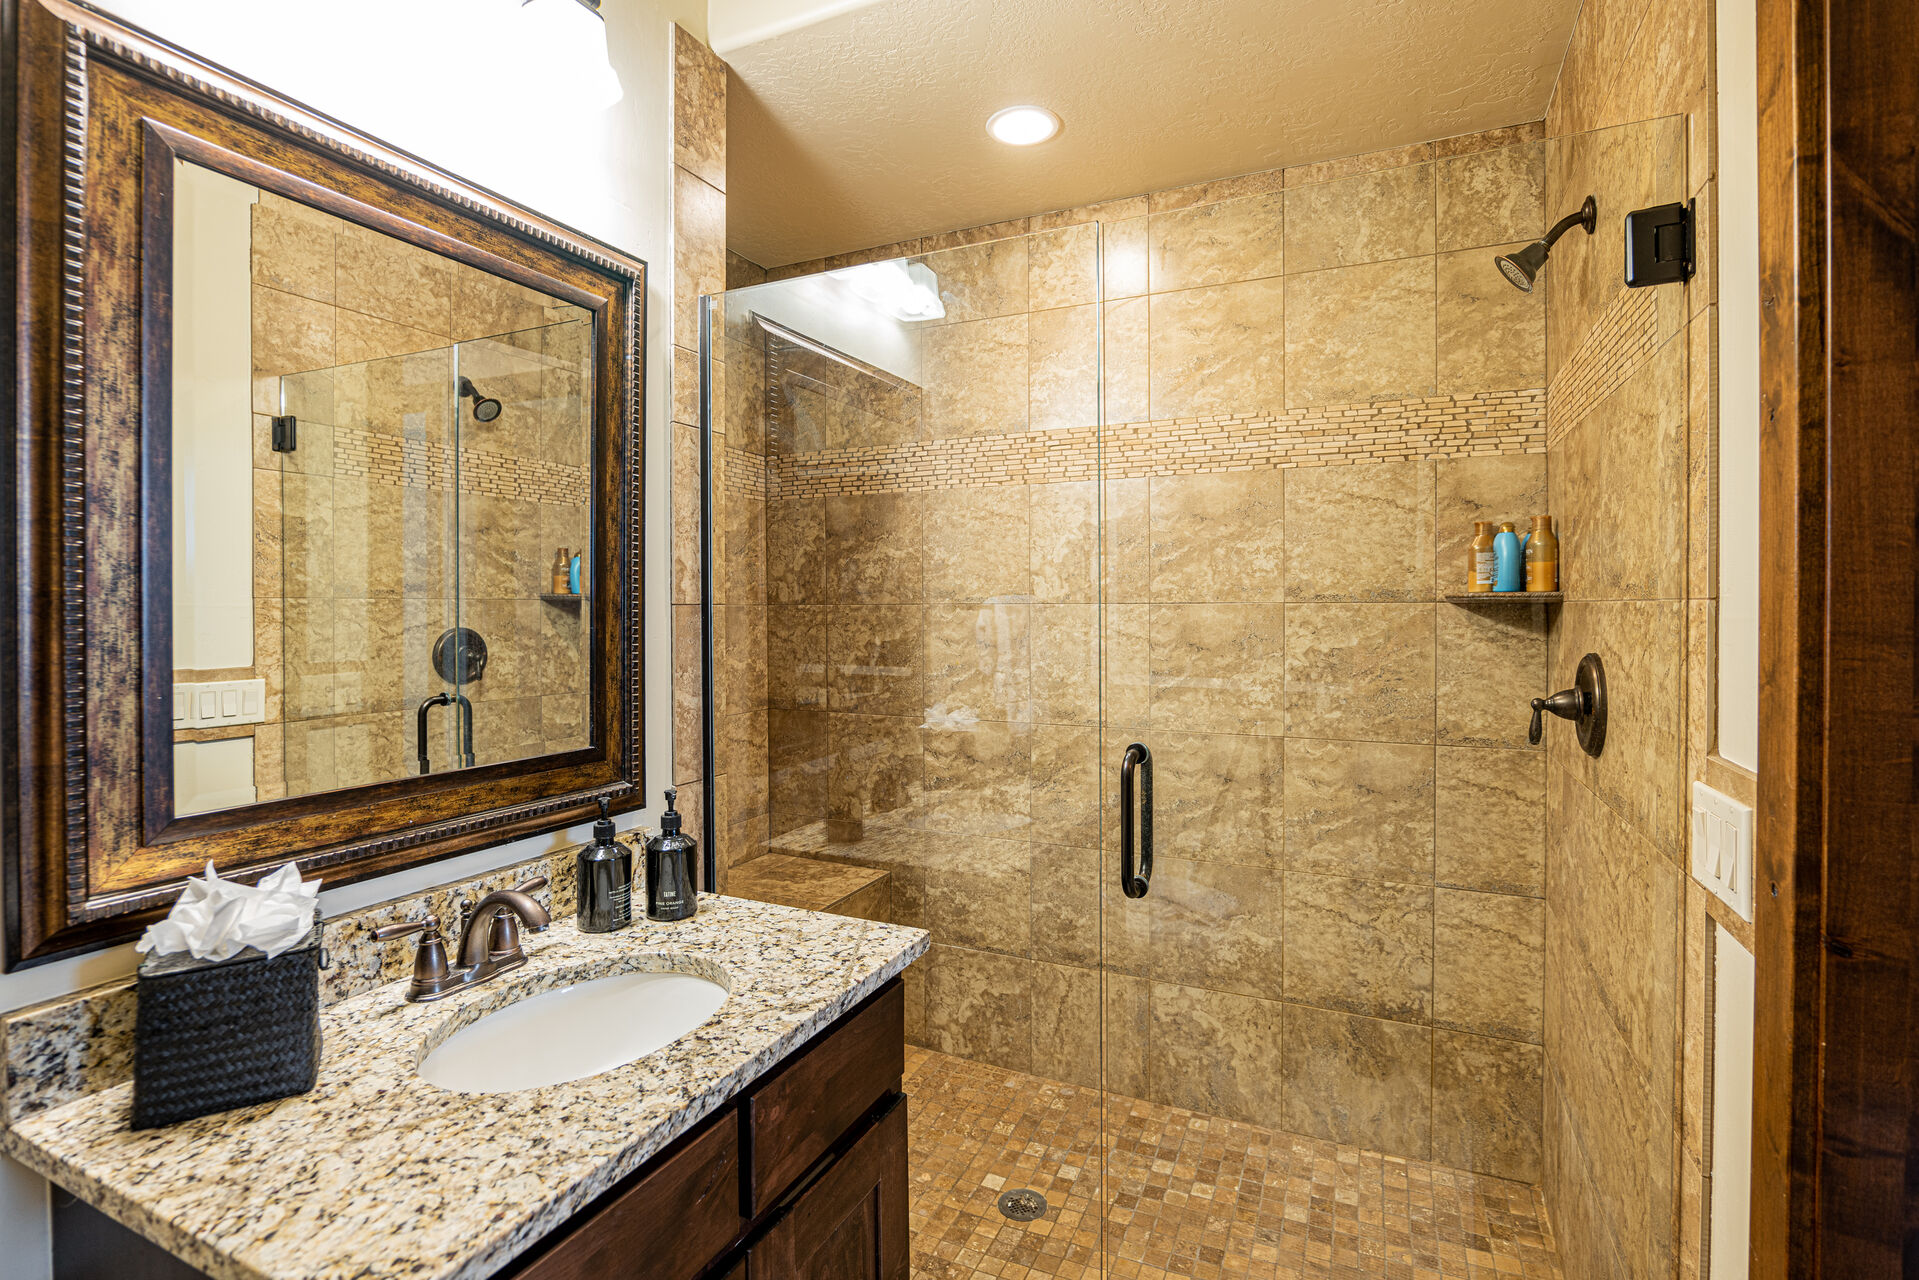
x=1522 y=268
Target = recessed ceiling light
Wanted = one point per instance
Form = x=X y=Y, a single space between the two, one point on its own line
x=1022 y=126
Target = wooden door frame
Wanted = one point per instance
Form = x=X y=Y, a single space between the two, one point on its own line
x=1835 y=1119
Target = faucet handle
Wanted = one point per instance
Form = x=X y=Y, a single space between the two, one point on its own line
x=430 y=972
x=531 y=886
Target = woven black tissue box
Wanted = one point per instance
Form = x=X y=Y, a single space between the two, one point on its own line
x=212 y=1035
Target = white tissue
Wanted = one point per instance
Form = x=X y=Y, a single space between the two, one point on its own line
x=216 y=919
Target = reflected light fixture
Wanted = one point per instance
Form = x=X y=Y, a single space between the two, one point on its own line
x=563 y=43
x=1022 y=126
x=903 y=290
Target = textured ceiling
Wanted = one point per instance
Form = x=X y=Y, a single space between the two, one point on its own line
x=868 y=126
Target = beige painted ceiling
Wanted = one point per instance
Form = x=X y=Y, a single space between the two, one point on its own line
x=867 y=125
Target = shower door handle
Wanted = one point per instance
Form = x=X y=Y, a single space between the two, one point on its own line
x=1136 y=863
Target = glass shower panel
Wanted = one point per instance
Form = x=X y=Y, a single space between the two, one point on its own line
x=906 y=634
x=515 y=662
x=367 y=552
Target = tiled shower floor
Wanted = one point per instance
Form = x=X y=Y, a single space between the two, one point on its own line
x=1194 y=1196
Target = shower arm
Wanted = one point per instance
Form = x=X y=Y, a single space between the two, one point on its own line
x=1586 y=215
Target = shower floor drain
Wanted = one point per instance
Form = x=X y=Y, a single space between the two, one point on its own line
x=1023 y=1205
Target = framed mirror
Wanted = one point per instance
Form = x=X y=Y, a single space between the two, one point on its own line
x=327 y=498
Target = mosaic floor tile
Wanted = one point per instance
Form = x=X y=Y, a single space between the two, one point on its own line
x=1186 y=1194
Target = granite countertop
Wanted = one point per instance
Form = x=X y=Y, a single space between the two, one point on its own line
x=377 y=1173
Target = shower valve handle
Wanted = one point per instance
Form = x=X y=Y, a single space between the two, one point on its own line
x=1567 y=704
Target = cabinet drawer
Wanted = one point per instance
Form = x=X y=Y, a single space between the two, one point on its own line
x=850 y=1223
x=794 y=1117
x=670 y=1225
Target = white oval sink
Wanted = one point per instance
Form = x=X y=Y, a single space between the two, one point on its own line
x=573 y=1032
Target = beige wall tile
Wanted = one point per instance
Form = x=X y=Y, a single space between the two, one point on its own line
x=1065 y=906
x=873 y=546
x=1619 y=485
x=362 y=337
x=1066 y=664
x=1063 y=364
x=395 y=281
x=1359 y=809
x=1215 y=1053
x=1358 y=1080
x=1215 y=925
x=1219 y=537
x=293 y=249
x=1216 y=243
x=1488 y=964
x=1123 y=257
x=1360 y=333
x=1064 y=263
x=1361 y=532
x=1360 y=946
x=1492 y=337
x=1125 y=382
x=1219 y=797
x=1066 y=1024
x=1066 y=785
x=981 y=281
x=1217 y=668
x=796 y=564
x=979 y=1005
x=975 y=377
x=1305 y=175
x=978 y=892
x=878 y=770
x=1125 y=1036
x=1369 y=218
x=979 y=660
x=1638 y=772
x=1487 y=1104
x=699 y=109
x=1490 y=820
x=1239 y=187
x=798 y=765
x=1360 y=671
x=1063 y=520
x=977 y=779
x=290 y=333
x=1493 y=196
x=699 y=251
x=1491 y=664
x=1218 y=349
x=875 y=656
x=976 y=543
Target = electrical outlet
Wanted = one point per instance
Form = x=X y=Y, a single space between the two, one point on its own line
x=1722 y=847
x=218 y=703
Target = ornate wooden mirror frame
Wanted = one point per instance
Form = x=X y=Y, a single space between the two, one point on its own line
x=98 y=112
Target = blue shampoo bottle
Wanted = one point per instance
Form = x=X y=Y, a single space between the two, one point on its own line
x=1509 y=560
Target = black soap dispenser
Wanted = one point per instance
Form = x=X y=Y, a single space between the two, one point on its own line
x=671 y=892
x=605 y=880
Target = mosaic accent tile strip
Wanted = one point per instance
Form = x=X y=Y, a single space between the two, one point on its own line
x=421 y=464
x=1621 y=340
x=1185 y=1194
x=1486 y=423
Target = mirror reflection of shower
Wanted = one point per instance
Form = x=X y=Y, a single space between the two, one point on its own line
x=485 y=408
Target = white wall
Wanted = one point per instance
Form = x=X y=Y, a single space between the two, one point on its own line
x=387 y=69
x=1738 y=266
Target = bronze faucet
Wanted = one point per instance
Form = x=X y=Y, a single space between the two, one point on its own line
x=489 y=942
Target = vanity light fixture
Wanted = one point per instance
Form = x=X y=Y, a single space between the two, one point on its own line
x=564 y=41
x=903 y=290
x=1522 y=268
x=1022 y=126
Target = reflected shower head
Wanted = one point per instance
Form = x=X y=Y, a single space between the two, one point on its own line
x=1522 y=268
x=485 y=408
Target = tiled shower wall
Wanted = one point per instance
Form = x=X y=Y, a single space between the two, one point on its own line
x=1632 y=427
x=353 y=558
x=1315 y=381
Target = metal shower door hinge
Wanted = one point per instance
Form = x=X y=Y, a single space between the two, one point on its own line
x=286 y=433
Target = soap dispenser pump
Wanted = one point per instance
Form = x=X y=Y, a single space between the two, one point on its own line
x=605 y=880
x=671 y=893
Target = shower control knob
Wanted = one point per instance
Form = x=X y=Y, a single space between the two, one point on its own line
x=1584 y=704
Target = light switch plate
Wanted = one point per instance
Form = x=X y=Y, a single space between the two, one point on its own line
x=1722 y=847
x=217 y=703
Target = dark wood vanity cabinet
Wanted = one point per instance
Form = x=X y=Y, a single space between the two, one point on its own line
x=801 y=1177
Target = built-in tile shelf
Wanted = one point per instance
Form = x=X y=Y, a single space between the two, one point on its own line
x=1507 y=597
x=565 y=599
